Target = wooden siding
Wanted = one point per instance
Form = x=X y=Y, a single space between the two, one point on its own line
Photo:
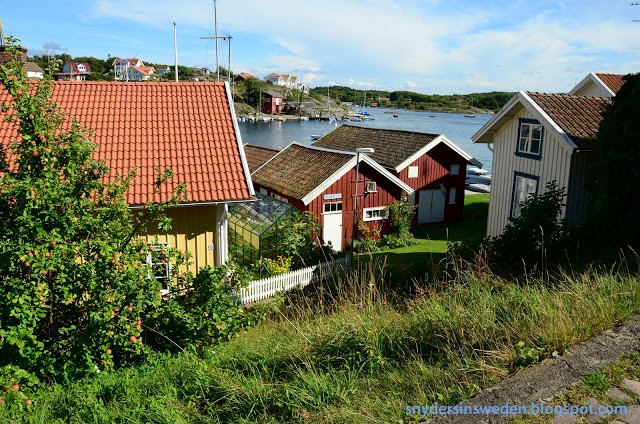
x=591 y=89
x=554 y=164
x=386 y=193
x=193 y=229
x=577 y=194
x=434 y=169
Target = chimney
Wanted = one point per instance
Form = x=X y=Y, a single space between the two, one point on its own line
x=5 y=57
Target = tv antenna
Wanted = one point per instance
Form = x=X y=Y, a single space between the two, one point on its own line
x=636 y=4
x=225 y=38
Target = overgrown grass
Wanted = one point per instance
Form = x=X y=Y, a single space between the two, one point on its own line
x=353 y=356
x=425 y=256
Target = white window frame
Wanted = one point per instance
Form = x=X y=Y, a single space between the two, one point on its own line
x=524 y=186
x=412 y=172
x=371 y=187
x=378 y=213
x=336 y=209
x=154 y=262
x=526 y=139
x=453 y=192
x=455 y=169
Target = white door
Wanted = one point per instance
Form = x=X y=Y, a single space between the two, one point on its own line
x=332 y=230
x=431 y=206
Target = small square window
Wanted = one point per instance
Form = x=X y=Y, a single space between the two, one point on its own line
x=372 y=187
x=413 y=172
x=530 y=135
x=455 y=169
x=333 y=207
x=375 y=214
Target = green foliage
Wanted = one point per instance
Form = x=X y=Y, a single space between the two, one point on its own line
x=597 y=382
x=400 y=216
x=201 y=311
x=368 y=239
x=185 y=73
x=615 y=175
x=295 y=237
x=536 y=237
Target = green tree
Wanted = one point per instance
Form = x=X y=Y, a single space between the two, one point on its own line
x=75 y=292
x=615 y=174
x=184 y=73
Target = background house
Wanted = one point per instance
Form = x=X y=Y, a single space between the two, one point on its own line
x=34 y=71
x=432 y=165
x=272 y=103
x=538 y=138
x=323 y=182
x=194 y=133
x=73 y=71
x=121 y=68
x=598 y=85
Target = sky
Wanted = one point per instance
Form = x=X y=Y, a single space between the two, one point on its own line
x=427 y=46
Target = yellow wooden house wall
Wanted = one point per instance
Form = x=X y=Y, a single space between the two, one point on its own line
x=194 y=229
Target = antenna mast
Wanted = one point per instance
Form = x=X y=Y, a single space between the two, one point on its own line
x=1 y=34
x=215 y=17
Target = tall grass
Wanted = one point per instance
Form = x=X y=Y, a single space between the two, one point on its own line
x=352 y=353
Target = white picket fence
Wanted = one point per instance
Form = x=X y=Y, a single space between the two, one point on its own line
x=267 y=287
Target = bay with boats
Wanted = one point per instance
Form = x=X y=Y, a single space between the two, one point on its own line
x=457 y=127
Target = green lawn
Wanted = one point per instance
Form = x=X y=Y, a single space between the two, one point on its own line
x=433 y=238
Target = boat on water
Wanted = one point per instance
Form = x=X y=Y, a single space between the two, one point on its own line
x=480 y=188
x=317 y=136
x=395 y=115
x=477 y=176
x=469 y=115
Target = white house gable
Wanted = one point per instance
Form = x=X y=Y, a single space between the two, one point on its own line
x=528 y=153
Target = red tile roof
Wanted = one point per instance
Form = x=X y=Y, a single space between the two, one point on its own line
x=187 y=127
x=579 y=117
x=613 y=81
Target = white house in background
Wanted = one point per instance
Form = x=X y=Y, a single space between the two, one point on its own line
x=286 y=80
x=34 y=71
x=120 y=65
x=538 y=138
x=138 y=73
x=598 y=85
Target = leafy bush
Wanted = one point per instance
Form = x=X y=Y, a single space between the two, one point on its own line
x=201 y=311
x=400 y=216
x=368 y=239
x=536 y=237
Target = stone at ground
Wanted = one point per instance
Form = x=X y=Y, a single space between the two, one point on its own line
x=618 y=395
x=565 y=419
x=632 y=386
x=595 y=417
x=551 y=377
x=632 y=416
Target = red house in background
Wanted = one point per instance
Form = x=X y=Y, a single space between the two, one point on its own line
x=431 y=164
x=323 y=182
x=272 y=103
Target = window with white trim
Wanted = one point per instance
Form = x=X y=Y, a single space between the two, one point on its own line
x=455 y=169
x=372 y=187
x=332 y=207
x=412 y=172
x=375 y=214
x=523 y=187
x=530 y=134
x=452 y=195
x=159 y=265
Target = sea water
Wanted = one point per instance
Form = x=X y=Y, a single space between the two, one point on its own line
x=456 y=127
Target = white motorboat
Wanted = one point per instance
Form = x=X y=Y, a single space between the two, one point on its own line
x=477 y=175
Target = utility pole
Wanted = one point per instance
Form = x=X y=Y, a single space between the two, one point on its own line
x=215 y=17
x=175 y=51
